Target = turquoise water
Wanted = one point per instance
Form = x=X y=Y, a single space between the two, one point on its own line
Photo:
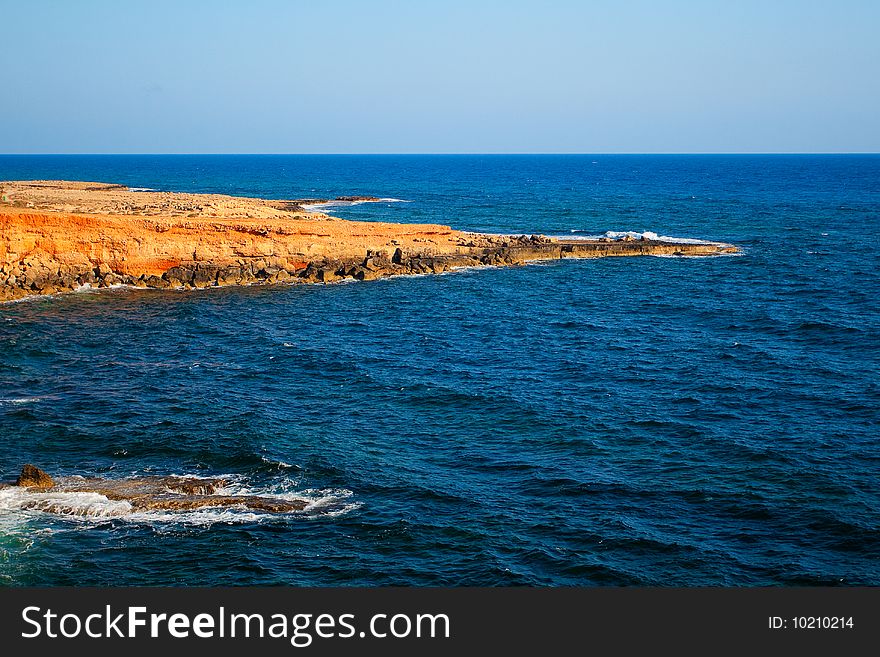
x=632 y=421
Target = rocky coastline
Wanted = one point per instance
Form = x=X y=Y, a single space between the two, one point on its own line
x=58 y=236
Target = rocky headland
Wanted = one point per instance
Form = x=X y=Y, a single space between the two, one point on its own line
x=59 y=236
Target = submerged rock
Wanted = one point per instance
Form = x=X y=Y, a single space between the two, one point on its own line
x=152 y=493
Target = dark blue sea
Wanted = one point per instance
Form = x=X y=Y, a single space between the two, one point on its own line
x=622 y=421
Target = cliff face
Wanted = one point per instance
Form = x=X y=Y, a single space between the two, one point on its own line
x=41 y=250
x=167 y=242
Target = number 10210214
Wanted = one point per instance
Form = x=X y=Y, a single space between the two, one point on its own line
x=811 y=623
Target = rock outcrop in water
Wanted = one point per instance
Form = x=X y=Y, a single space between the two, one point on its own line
x=147 y=493
x=32 y=477
x=58 y=236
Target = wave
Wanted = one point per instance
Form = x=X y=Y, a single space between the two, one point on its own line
x=141 y=189
x=28 y=298
x=20 y=400
x=278 y=464
x=88 y=287
x=697 y=257
x=72 y=504
x=337 y=204
x=648 y=235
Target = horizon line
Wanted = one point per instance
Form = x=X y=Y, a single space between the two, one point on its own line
x=489 y=153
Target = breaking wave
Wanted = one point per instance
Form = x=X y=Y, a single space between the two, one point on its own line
x=648 y=235
x=341 y=204
x=71 y=504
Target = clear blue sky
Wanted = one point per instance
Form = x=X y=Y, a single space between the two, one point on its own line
x=325 y=76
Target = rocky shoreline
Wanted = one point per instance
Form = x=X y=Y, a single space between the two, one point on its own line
x=46 y=249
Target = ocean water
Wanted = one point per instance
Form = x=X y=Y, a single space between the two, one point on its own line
x=625 y=421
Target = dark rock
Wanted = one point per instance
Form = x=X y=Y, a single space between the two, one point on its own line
x=181 y=273
x=357 y=198
x=204 y=276
x=310 y=273
x=327 y=275
x=67 y=280
x=34 y=278
x=229 y=276
x=155 y=281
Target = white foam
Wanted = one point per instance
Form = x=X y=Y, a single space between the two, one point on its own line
x=20 y=400
x=648 y=235
x=29 y=297
x=339 y=204
x=201 y=518
x=697 y=257
x=141 y=189
x=78 y=505
x=88 y=288
x=329 y=502
x=466 y=268
x=279 y=464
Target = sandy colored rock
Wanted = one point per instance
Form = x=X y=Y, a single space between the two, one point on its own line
x=32 y=477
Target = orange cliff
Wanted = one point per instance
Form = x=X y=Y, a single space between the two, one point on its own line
x=57 y=236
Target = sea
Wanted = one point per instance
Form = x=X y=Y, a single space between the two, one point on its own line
x=652 y=421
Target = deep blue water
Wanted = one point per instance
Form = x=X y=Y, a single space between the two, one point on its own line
x=624 y=421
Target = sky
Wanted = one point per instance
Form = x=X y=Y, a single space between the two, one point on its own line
x=449 y=76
